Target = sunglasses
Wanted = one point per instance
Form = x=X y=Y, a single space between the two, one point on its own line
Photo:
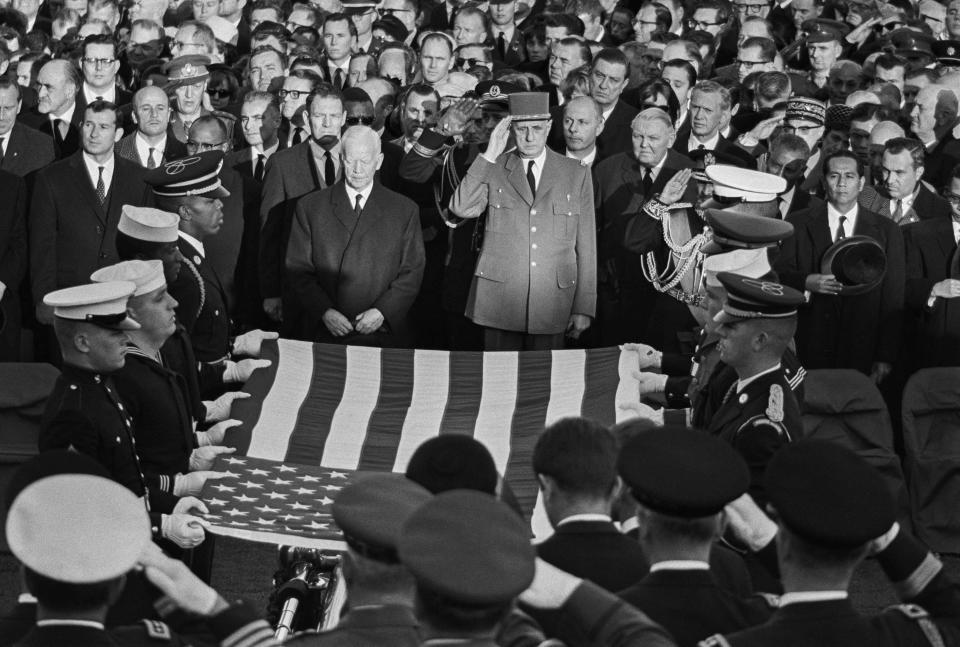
x=356 y=121
x=469 y=62
x=218 y=94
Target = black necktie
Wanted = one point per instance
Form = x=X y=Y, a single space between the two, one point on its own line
x=502 y=46
x=531 y=178
x=646 y=182
x=357 y=208
x=57 y=132
x=297 y=136
x=841 y=234
x=258 y=168
x=338 y=78
x=101 y=187
x=329 y=172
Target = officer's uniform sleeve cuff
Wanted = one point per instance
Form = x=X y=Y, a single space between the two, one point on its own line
x=429 y=143
x=239 y=625
x=676 y=417
x=908 y=565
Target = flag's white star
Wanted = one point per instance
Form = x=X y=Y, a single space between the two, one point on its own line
x=279 y=481
x=287 y=468
x=303 y=490
x=259 y=472
x=337 y=475
x=236 y=461
x=235 y=513
x=325 y=501
x=292 y=517
x=298 y=506
x=243 y=498
x=306 y=478
x=265 y=509
x=216 y=502
x=275 y=495
x=251 y=484
x=318 y=526
x=332 y=488
x=224 y=488
x=265 y=522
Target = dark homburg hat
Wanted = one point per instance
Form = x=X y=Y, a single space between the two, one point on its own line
x=858 y=262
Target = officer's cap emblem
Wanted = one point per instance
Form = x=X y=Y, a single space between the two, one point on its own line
x=177 y=166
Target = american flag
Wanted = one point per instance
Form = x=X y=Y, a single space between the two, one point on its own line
x=356 y=408
x=275 y=502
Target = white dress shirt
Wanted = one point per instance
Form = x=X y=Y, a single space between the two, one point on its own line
x=93 y=170
x=742 y=384
x=538 y=163
x=956 y=232
x=786 y=198
x=711 y=144
x=586 y=160
x=143 y=148
x=258 y=150
x=197 y=245
x=66 y=117
x=833 y=220
x=586 y=516
x=363 y=193
x=906 y=202
x=91 y=94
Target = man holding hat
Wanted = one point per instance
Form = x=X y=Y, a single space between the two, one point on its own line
x=681 y=480
x=535 y=280
x=832 y=509
x=84 y=411
x=851 y=319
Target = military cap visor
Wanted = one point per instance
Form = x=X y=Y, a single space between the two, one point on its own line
x=196 y=175
x=750 y=298
x=100 y=304
x=732 y=231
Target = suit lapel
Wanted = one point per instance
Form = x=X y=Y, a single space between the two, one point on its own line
x=341 y=207
x=85 y=185
x=820 y=236
x=550 y=174
x=312 y=164
x=944 y=235
x=370 y=213
x=517 y=175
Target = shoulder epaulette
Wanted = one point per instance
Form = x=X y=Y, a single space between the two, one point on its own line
x=775 y=403
x=919 y=615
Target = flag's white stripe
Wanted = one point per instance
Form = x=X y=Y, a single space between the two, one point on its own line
x=567 y=384
x=277 y=537
x=628 y=390
x=281 y=407
x=498 y=399
x=431 y=385
x=348 y=428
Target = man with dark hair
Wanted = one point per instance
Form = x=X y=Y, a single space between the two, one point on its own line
x=339 y=39
x=76 y=205
x=837 y=330
x=99 y=65
x=900 y=195
x=293 y=94
x=575 y=462
x=565 y=55
x=24 y=149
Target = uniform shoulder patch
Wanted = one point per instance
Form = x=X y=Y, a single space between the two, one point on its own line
x=775 y=403
x=716 y=640
x=157 y=630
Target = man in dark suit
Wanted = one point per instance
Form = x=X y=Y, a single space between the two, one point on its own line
x=23 y=150
x=710 y=105
x=76 y=206
x=355 y=258
x=678 y=527
x=902 y=197
x=153 y=142
x=575 y=462
x=99 y=66
x=860 y=332
x=565 y=55
x=505 y=34
x=13 y=261
x=933 y=285
x=56 y=113
x=608 y=79
x=625 y=183
x=291 y=174
x=787 y=158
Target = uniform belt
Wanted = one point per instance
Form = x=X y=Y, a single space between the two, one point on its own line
x=685 y=297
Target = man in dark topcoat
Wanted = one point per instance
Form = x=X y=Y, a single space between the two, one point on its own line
x=355 y=258
x=57 y=113
x=23 y=150
x=13 y=262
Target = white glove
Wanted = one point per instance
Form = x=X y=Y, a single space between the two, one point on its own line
x=242 y=370
x=202 y=458
x=185 y=530
x=749 y=524
x=648 y=357
x=249 y=342
x=191 y=483
x=219 y=409
x=215 y=434
x=551 y=587
x=178 y=583
x=648 y=383
x=190 y=505
x=644 y=411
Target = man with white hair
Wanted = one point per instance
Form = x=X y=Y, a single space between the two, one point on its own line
x=932 y=119
x=355 y=258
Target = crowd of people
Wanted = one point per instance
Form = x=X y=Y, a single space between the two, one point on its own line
x=734 y=193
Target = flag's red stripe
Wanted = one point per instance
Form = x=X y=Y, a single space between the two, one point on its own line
x=316 y=412
x=533 y=397
x=463 y=397
x=383 y=431
x=248 y=410
x=600 y=388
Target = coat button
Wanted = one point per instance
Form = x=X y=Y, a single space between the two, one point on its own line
x=533 y=212
x=99 y=229
x=534 y=246
x=533 y=263
x=103 y=254
x=533 y=229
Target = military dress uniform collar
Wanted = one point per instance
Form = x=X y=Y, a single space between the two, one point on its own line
x=680 y=565
x=53 y=622
x=196 y=244
x=742 y=384
x=83 y=375
x=800 y=597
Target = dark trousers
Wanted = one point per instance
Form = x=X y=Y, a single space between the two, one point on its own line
x=496 y=339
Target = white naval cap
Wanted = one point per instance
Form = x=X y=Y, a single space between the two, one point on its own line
x=102 y=304
x=78 y=528
x=150 y=225
x=745 y=184
x=146 y=275
x=752 y=263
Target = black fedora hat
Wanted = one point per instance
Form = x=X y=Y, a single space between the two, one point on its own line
x=858 y=262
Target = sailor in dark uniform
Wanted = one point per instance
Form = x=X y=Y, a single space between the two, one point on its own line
x=681 y=480
x=833 y=509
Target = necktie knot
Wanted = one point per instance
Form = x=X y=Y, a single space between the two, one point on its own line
x=841 y=231
x=151 y=160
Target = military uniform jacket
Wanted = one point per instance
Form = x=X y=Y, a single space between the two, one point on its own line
x=84 y=411
x=156 y=398
x=538 y=264
x=758 y=421
x=202 y=305
x=691 y=605
x=387 y=625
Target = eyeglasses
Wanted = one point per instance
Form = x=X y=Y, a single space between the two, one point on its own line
x=293 y=94
x=644 y=22
x=199 y=147
x=218 y=94
x=701 y=25
x=356 y=121
x=750 y=64
x=751 y=9
x=469 y=62
x=390 y=12
x=98 y=62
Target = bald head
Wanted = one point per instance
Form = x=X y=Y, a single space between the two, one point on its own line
x=150 y=94
x=360 y=151
x=151 y=111
x=58 y=82
x=862 y=96
x=884 y=132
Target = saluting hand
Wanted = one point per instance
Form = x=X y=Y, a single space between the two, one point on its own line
x=676 y=186
x=499 y=137
x=454 y=119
